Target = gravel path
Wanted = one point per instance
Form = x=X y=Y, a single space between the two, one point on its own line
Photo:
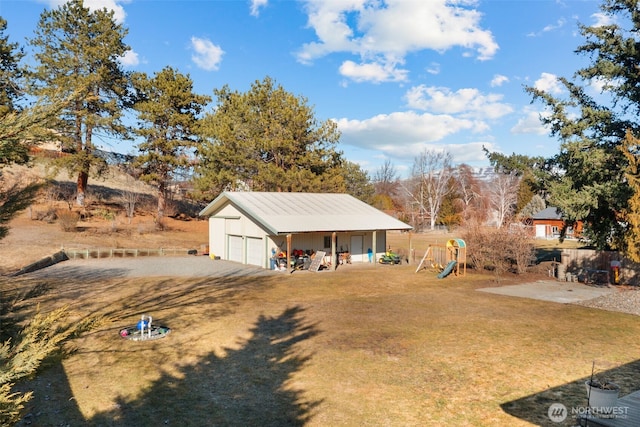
x=623 y=300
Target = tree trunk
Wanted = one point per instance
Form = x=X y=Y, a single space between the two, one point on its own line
x=81 y=187
x=162 y=202
x=83 y=175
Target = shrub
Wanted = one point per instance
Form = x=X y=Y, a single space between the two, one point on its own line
x=67 y=219
x=499 y=249
x=24 y=349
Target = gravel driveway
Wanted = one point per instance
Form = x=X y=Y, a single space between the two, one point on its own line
x=180 y=266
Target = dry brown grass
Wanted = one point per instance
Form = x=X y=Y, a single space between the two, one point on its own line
x=359 y=346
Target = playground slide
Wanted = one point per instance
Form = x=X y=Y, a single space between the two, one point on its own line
x=447 y=270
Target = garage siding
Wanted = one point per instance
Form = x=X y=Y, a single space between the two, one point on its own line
x=255 y=251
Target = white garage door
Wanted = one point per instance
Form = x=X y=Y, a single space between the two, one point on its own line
x=235 y=248
x=255 y=251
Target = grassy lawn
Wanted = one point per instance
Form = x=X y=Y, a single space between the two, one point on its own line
x=359 y=346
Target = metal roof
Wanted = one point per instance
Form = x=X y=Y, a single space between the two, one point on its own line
x=283 y=213
x=548 y=213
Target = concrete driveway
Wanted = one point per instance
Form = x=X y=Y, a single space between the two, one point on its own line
x=167 y=266
x=552 y=290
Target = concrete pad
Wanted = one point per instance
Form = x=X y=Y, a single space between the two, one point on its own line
x=551 y=290
x=152 y=266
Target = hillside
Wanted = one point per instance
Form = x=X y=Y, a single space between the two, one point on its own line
x=36 y=233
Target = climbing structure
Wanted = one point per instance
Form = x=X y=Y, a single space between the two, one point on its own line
x=448 y=259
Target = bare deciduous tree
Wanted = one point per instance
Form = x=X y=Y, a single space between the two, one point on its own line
x=503 y=196
x=469 y=190
x=430 y=183
x=385 y=179
x=129 y=198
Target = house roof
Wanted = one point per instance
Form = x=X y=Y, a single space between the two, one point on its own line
x=548 y=213
x=283 y=213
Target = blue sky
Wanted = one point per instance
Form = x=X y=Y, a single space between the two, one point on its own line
x=398 y=76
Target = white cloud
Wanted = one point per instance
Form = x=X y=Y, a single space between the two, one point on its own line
x=256 y=5
x=499 y=80
x=549 y=28
x=600 y=19
x=372 y=72
x=207 y=55
x=433 y=68
x=390 y=30
x=530 y=123
x=130 y=59
x=471 y=152
x=548 y=83
x=115 y=5
x=559 y=24
x=402 y=128
x=403 y=135
x=467 y=103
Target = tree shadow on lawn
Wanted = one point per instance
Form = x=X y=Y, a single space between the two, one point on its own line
x=535 y=407
x=247 y=386
x=109 y=294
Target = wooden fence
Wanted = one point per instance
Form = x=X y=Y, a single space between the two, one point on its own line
x=123 y=253
x=591 y=266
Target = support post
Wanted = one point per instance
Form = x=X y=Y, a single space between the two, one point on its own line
x=334 y=259
x=410 y=256
x=288 y=251
x=375 y=247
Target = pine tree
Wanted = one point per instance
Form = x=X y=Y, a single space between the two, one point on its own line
x=357 y=182
x=78 y=51
x=10 y=71
x=267 y=139
x=168 y=115
x=589 y=184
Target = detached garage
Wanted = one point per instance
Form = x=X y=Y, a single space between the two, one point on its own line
x=248 y=227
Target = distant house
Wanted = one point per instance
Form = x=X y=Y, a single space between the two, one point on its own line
x=247 y=226
x=548 y=224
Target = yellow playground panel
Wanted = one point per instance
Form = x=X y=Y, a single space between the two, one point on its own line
x=448 y=259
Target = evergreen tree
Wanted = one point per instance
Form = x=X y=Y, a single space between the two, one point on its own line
x=452 y=206
x=590 y=182
x=357 y=182
x=631 y=150
x=19 y=130
x=22 y=349
x=10 y=71
x=267 y=140
x=535 y=174
x=78 y=51
x=168 y=115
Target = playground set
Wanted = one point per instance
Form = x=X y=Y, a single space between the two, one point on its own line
x=451 y=258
